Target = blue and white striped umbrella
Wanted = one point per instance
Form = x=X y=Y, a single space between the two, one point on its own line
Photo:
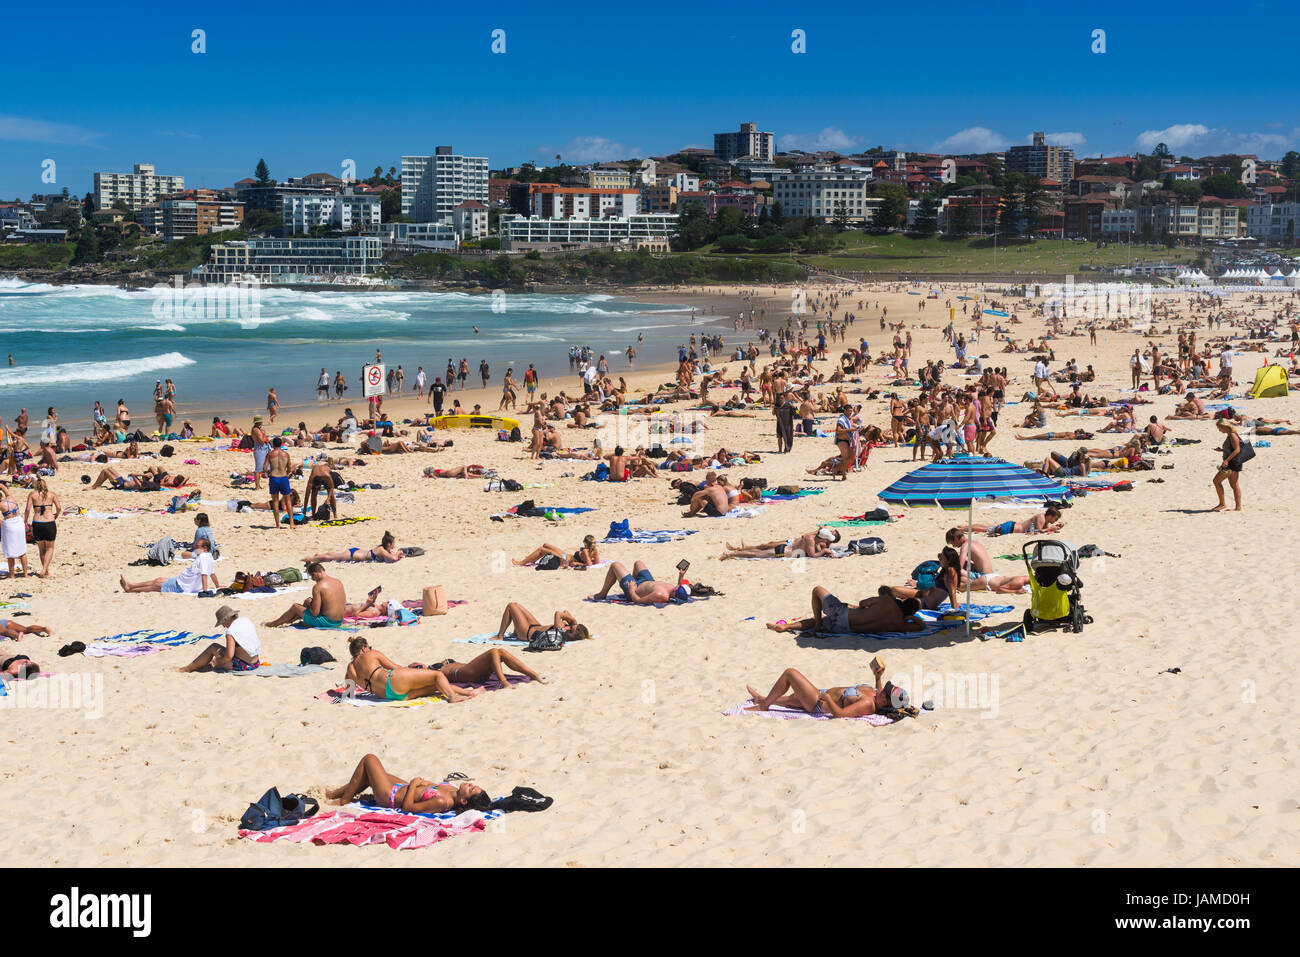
x=960 y=481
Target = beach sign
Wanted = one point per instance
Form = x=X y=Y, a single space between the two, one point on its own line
x=374 y=384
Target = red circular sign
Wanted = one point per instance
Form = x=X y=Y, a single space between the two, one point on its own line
x=374 y=375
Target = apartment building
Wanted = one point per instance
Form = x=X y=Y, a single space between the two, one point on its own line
x=820 y=192
x=424 y=235
x=611 y=177
x=748 y=142
x=138 y=188
x=195 y=212
x=532 y=232
x=659 y=199
x=1210 y=220
x=1042 y=160
x=270 y=198
x=549 y=201
x=1119 y=225
x=470 y=220
x=284 y=259
x=1273 y=223
x=684 y=182
x=342 y=211
x=433 y=186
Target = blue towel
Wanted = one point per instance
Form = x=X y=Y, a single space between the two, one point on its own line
x=646 y=537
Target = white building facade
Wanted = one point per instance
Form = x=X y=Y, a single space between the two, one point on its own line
x=524 y=232
x=821 y=191
x=341 y=211
x=138 y=188
x=1273 y=222
x=433 y=186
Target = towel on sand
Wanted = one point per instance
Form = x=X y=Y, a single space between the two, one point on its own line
x=777 y=711
x=655 y=537
x=147 y=636
x=490 y=638
x=364 y=699
x=934 y=622
x=359 y=825
x=282 y=669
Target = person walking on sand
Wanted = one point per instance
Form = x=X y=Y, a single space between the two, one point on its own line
x=42 y=513
x=261 y=448
x=278 y=467
x=1230 y=468
x=323 y=386
x=272 y=403
x=13 y=533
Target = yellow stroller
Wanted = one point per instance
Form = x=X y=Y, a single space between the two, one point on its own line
x=1054 y=587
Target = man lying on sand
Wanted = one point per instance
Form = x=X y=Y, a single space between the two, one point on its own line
x=418 y=796
x=812 y=544
x=793 y=690
x=1048 y=521
x=15 y=632
x=640 y=587
x=883 y=613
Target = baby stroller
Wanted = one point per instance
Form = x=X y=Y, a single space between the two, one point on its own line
x=1054 y=587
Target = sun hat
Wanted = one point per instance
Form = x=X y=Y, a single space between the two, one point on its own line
x=225 y=613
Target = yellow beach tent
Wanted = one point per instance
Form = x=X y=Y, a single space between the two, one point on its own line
x=1270 y=381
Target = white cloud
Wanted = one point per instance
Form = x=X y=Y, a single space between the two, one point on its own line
x=592 y=149
x=973 y=139
x=1196 y=139
x=1073 y=140
x=830 y=138
x=28 y=130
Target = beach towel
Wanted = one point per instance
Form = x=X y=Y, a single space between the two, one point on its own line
x=490 y=638
x=618 y=598
x=771 y=495
x=355 y=519
x=146 y=636
x=364 y=699
x=934 y=622
x=778 y=711
x=751 y=511
x=648 y=537
x=359 y=825
x=281 y=669
x=110 y=650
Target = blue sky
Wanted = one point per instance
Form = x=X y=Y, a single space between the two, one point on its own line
x=310 y=85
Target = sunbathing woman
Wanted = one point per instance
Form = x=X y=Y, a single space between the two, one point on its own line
x=375 y=672
x=793 y=690
x=418 y=795
x=150 y=480
x=459 y=472
x=1053 y=436
x=387 y=551
x=15 y=632
x=20 y=667
x=584 y=557
x=526 y=625
x=492 y=662
x=813 y=544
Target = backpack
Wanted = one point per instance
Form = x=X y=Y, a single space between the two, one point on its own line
x=753 y=483
x=552 y=639
x=271 y=810
x=314 y=656
x=516 y=435
x=867 y=546
x=875 y=515
x=526 y=509
x=926 y=575
x=167 y=451
x=290 y=575
x=523 y=799
x=510 y=485
x=601 y=473
x=548 y=563
x=619 y=530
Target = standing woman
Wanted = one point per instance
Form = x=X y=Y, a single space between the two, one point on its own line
x=43 y=510
x=50 y=426
x=1230 y=468
x=844 y=442
x=13 y=533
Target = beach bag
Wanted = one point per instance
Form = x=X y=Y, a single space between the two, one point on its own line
x=495 y=485
x=787 y=490
x=523 y=799
x=526 y=509
x=759 y=483
x=867 y=546
x=552 y=639
x=621 y=529
x=240 y=582
x=926 y=575
x=412 y=551
x=290 y=575
x=271 y=810
x=875 y=515
x=548 y=563
x=1244 y=454
x=274 y=580
x=314 y=656
x=322 y=514
x=167 y=451
x=516 y=435
x=602 y=472
x=510 y=485
x=434 y=601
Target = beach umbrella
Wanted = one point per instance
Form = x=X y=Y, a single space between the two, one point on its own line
x=960 y=481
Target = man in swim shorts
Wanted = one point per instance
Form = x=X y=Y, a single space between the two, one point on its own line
x=278 y=467
x=640 y=587
x=325 y=608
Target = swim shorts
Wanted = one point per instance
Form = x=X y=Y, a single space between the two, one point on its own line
x=1006 y=528
x=279 y=485
x=239 y=664
x=627 y=580
x=319 y=621
x=835 y=616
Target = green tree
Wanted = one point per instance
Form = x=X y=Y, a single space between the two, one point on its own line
x=1225 y=187
x=1188 y=191
x=1011 y=209
x=927 y=215
x=889 y=213
x=1291 y=165
x=841 y=221
x=961 y=220
x=1162 y=152
x=87 y=250
x=390 y=205
x=1033 y=202
x=262 y=173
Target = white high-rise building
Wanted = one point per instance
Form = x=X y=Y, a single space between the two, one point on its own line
x=138 y=188
x=433 y=186
x=342 y=211
x=1273 y=222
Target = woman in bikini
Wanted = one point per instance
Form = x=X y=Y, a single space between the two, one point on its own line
x=584 y=557
x=43 y=510
x=526 y=625
x=492 y=663
x=13 y=533
x=386 y=551
x=417 y=795
x=373 y=671
x=793 y=690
